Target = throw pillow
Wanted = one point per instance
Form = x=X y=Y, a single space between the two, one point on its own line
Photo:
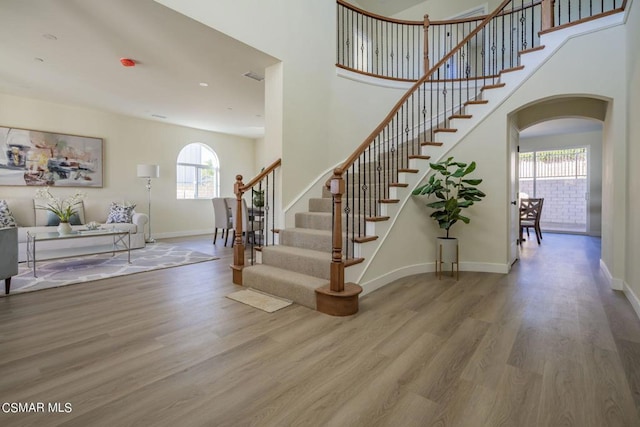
x=6 y=217
x=120 y=213
x=52 y=219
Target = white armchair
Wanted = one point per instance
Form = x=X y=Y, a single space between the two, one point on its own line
x=8 y=255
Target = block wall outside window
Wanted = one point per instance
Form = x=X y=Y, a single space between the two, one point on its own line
x=560 y=177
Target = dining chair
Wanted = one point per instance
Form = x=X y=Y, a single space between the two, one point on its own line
x=222 y=218
x=250 y=227
x=530 y=212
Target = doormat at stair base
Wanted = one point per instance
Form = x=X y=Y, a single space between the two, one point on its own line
x=260 y=300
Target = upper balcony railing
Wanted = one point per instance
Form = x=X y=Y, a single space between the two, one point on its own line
x=404 y=50
x=466 y=67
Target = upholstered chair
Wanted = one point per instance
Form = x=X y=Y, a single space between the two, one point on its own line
x=222 y=217
x=8 y=255
x=250 y=226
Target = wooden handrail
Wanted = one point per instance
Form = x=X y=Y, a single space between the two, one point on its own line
x=375 y=16
x=239 y=188
x=260 y=176
x=377 y=76
x=437 y=22
x=581 y=21
x=361 y=149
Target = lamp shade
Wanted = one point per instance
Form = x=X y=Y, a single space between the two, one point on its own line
x=148 y=171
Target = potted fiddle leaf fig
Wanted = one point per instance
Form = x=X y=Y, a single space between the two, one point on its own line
x=453 y=191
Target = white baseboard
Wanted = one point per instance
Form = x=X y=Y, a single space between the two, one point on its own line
x=429 y=267
x=633 y=299
x=614 y=283
x=394 y=275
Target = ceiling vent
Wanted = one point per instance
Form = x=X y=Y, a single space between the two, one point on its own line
x=254 y=76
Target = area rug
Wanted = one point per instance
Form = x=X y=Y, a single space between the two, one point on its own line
x=260 y=300
x=89 y=268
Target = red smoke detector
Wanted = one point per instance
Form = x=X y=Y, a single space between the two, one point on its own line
x=128 y=62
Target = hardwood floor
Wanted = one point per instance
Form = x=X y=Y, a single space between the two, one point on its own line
x=547 y=345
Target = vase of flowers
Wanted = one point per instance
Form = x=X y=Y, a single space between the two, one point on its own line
x=64 y=209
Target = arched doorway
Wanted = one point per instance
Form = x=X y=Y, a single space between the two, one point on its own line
x=534 y=118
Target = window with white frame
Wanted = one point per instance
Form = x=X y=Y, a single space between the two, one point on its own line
x=197 y=173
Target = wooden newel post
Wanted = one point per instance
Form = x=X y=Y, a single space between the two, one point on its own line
x=337 y=263
x=427 y=65
x=238 y=246
x=547 y=14
x=337 y=298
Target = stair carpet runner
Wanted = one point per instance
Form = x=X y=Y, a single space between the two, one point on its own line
x=300 y=263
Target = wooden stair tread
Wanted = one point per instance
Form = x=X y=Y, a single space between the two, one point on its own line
x=509 y=70
x=431 y=143
x=398 y=184
x=352 y=261
x=460 y=116
x=419 y=156
x=449 y=130
x=406 y=170
x=494 y=86
x=376 y=218
x=364 y=239
x=533 y=49
x=477 y=102
x=389 y=200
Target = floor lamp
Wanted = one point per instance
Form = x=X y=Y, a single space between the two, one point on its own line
x=149 y=171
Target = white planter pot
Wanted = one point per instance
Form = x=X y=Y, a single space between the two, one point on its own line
x=64 y=228
x=447 y=250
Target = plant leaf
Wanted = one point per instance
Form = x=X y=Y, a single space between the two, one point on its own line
x=459 y=173
x=471 y=168
x=472 y=181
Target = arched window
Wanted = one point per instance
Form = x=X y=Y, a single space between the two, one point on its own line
x=197 y=173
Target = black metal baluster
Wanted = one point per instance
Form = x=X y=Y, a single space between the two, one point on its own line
x=345 y=211
x=340 y=35
x=579 y=9
x=569 y=11
x=533 y=25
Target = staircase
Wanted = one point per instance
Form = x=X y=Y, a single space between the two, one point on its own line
x=301 y=263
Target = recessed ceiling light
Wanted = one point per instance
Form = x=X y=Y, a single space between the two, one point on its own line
x=38 y=59
x=49 y=36
x=203 y=84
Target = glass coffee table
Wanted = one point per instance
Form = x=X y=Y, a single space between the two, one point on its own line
x=115 y=241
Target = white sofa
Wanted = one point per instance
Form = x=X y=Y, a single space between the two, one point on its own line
x=34 y=220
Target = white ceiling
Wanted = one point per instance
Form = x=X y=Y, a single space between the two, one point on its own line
x=80 y=65
x=560 y=127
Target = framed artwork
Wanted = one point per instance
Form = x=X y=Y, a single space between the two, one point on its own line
x=37 y=158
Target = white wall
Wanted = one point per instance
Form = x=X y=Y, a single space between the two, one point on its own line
x=632 y=273
x=324 y=117
x=485 y=240
x=593 y=140
x=439 y=9
x=128 y=142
